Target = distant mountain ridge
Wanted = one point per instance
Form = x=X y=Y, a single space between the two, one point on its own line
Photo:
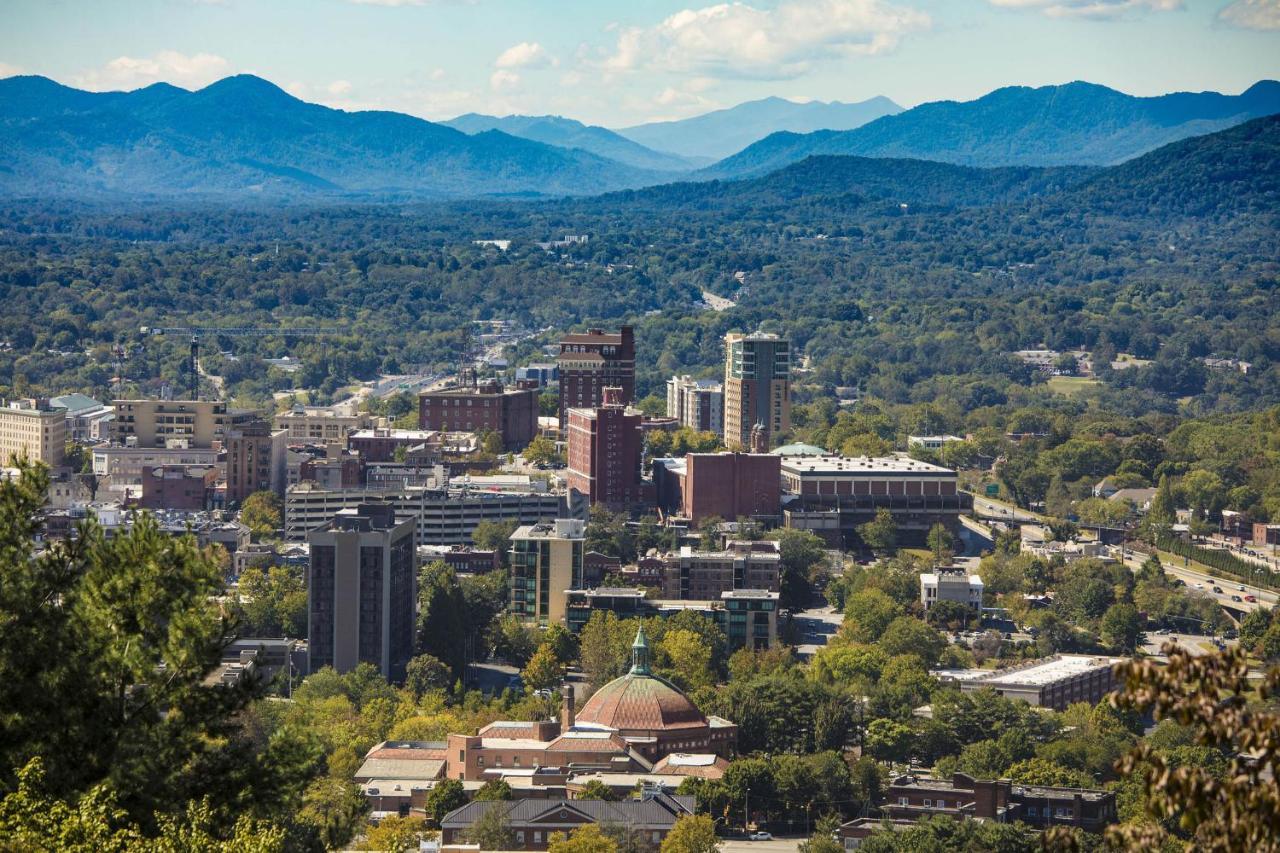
x=718 y=134
x=246 y=136
x=569 y=133
x=1072 y=124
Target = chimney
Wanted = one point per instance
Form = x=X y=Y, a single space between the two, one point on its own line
x=566 y=708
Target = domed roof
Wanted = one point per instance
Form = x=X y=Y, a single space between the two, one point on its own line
x=640 y=700
x=799 y=450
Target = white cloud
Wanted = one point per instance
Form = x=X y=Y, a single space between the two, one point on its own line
x=127 y=72
x=526 y=54
x=502 y=79
x=7 y=70
x=339 y=87
x=1098 y=9
x=735 y=39
x=1252 y=14
x=437 y=74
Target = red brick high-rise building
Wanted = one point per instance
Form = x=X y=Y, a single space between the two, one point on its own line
x=592 y=361
x=605 y=447
x=484 y=406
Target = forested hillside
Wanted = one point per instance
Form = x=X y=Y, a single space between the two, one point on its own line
x=1169 y=259
x=1077 y=123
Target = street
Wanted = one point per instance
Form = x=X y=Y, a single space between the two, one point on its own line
x=777 y=845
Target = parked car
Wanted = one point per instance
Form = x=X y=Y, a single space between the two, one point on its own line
x=760 y=836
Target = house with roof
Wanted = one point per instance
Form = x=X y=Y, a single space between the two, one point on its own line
x=1140 y=498
x=532 y=822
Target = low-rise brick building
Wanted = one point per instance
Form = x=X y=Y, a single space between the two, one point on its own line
x=963 y=797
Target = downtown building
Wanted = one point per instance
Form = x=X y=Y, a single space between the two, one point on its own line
x=606 y=446
x=594 y=360
x=832 y=495
x=362 y=591
x=757 y=388
x=696 y=403
x=546 y=562
x=257 y=460
x=32 y=429
x=728 y=486
x=484 y=407
x=441 y=515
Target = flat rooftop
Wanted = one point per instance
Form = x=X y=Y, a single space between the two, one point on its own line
x=1047 y=671
x=861 y=465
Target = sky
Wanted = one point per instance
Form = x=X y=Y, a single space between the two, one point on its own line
x=623 y=62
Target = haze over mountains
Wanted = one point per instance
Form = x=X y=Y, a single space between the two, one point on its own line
x=569 y=133
x=243 y=137
x=715 y=135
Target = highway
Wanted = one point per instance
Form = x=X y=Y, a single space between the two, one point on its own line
x=1191 y=577
x=1000 y=509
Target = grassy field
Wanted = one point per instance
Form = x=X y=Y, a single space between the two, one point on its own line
x=1070 y=386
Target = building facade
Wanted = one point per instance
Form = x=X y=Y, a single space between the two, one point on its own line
x=185 y=487
x=546 y=562
x=169 y=423
x=955 y=585
x=34 y=429
x=721 y=485
x=1054 y=682
x=696 y=403
x=321 y=424
x=606 y=446
x=256 y=460
x=441 y=516
x=594 y=360
x=484 y=407
x=533 y=821
x=362 y=592
x=704 y=575
x=757 y=387
x=832 y=495
x=962 y=797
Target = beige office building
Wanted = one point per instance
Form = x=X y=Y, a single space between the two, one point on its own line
x=757 y=387
x=546 y=562
x=34 y=429
x=322 y=424
x=169 y=423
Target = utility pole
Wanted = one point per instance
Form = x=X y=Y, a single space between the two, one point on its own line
x=746 y=817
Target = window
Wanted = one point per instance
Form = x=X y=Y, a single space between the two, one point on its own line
x=942 y=804
x=480 y=761
x=1031 y=811
x=520 y=836
x=928 y=804
x=537 y=838
x=902 y=801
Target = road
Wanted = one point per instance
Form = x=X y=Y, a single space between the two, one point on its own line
x=1000 y=509
x=777 y=845
x=815 y=627
x=1191 y=577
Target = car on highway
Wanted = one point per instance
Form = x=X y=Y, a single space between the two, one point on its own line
x=1253 y=599
x=1236 y=598
x=1240 y=587
x=760 y=836
x=1217 y=589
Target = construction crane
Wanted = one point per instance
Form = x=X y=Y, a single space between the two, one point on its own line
x=198 y=332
